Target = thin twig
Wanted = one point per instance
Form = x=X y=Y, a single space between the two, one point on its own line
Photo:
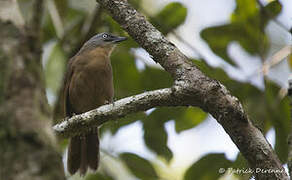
x=113 y=111
x=274 y=20
x=37 y=15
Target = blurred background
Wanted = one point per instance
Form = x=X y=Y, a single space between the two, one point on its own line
x=245 y=44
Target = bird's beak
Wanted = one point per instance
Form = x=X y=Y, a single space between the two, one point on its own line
x=119 y=39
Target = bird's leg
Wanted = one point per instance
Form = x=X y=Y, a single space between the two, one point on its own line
x=110 y=102
x=82 y=136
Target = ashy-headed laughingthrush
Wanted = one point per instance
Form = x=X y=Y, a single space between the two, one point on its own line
x=88 y=85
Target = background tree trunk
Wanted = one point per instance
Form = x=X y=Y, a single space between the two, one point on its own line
x=28 y=145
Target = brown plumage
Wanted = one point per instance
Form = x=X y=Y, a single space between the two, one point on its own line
x=88 y=85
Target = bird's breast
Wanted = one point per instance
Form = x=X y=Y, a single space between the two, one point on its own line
x=91 y=84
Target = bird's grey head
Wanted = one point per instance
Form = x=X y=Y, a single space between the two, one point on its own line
x=103 y=40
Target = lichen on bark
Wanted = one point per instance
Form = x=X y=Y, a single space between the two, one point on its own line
x=28 y=147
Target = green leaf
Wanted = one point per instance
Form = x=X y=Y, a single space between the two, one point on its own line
x=278 y=110
x=242 y=90
x=170 y=17
x=98 y=176
x=190 y=118
x=207 y=168
x=241 y=164
x=54 y=69
x=245 y=10
x=62 y=7
x=114 y=126
x=113 y=25
x=136 y=3
x=127 y=79
x=154 y=78
x=218 y=38
x=155 y=136
x=246 y=27
x=270 y=11
x=48 y=29
x=139 y=166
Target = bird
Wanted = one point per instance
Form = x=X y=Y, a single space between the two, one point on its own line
x=88 y=84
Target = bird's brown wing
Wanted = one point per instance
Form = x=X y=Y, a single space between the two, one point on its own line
x=74 y=147
x=68 y=111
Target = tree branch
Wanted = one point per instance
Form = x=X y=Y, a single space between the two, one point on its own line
x=191 y=87
x=81 y=123
x=37 y=16
x=262 y=7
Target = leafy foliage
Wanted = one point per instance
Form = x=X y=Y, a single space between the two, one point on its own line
x=170 y=17
x=98 y=176
x=264 y=106
x=189 y=118
x=208 y=167
x=279 y=115
x=241 y=164
x=55 y=68
x=155 y=135
x=126 y=76
x=139 y=166
x=246 y=27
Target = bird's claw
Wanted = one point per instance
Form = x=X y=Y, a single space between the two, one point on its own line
x=109 y=102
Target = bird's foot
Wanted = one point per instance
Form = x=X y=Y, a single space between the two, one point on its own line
x=109 y=102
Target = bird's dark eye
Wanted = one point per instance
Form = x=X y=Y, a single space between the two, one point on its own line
x=104 y=36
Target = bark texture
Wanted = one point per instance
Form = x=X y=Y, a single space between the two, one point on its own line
x=28 y=146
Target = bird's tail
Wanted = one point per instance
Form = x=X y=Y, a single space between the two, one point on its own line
x=83 y=152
